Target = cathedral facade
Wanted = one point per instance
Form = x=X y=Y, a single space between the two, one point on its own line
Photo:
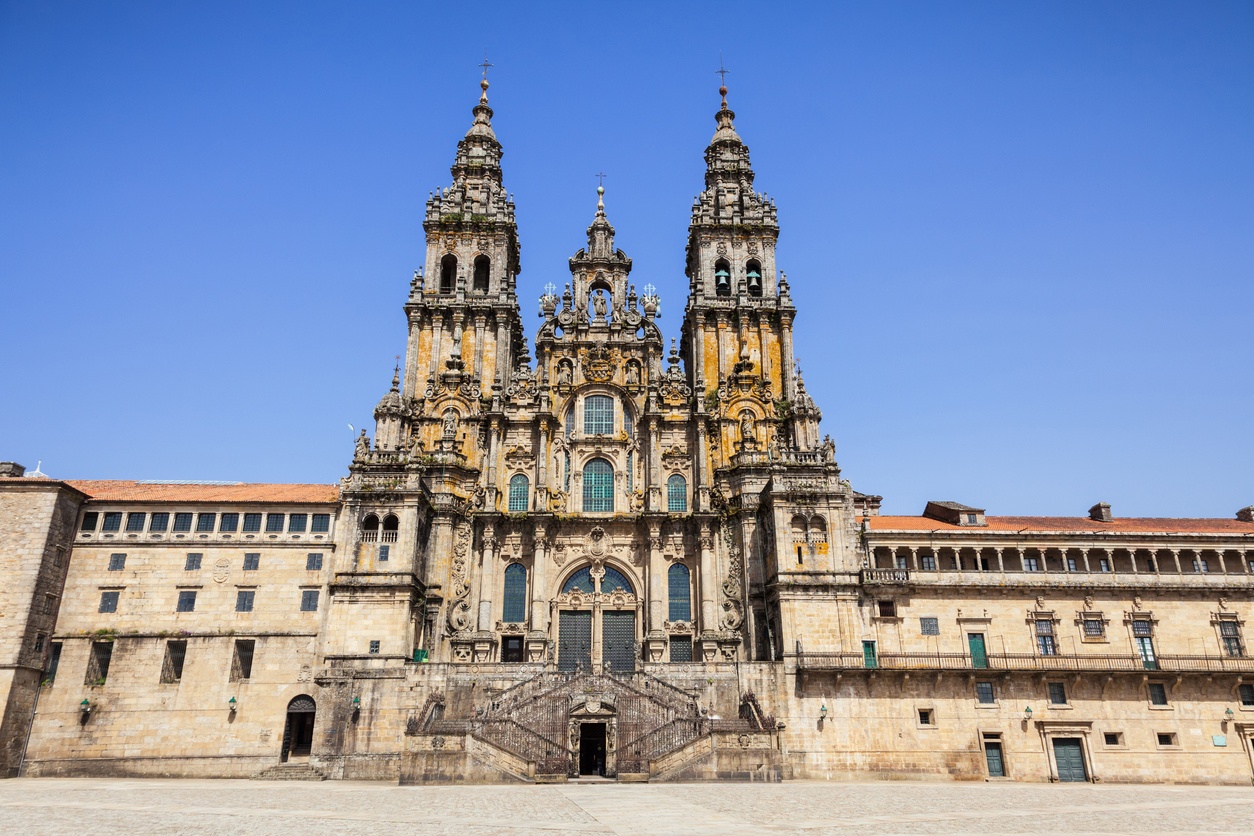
x=619 y=558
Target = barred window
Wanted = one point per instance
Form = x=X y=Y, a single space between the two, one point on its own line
x=90 y=520
x=598 y=415
x=681 y=648
x=1094 y=628
x=296 y=522
x=117 y=562
x=252 y=561
x=182 y=522
x=1057 y=693
x=374 y=647
x=309 y=600
x=1230 y=634
x=252 y=522
x=274 y=522
x=1157 y=693
x=519 y=493
x=1142 y=629
x=320 y=523
x=135 y=521
x=204 y=523
x=244 y=599
x=112 y=521
x=676 y=494
x=1045 y=637
x=159 y=523
x=193 y=562
x=984 y=693
x=514 y=606
x=1245 y=693
x=187 y=601
x=229 y=522
x=929 y=625
x=313 y=561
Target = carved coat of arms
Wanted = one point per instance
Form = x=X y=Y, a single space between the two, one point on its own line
x=599 y=364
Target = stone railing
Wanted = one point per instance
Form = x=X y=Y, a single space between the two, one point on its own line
x=879 y=576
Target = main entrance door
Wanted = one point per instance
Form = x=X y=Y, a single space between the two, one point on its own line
x=618 y=640
x=592 y=749
x=574 y=640
x=1069 y=755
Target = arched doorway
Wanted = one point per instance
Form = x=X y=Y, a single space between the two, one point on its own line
x=597 y=621
x=299 y=728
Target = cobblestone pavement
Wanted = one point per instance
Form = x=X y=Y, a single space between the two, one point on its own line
x=83 y=805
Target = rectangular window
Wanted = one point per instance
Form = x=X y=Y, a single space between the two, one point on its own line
x=39 y=642
x=927 y=561
x=159 y=523
x=98 y=663
x=1057 y=693
x=1045 y=637
x=1113 y=738
x=1200 y=566
x=887 y=609
x=1157 y=693
x=1030 y=564
x=252 y=522
x=54 y=662
x=384 y=553
x=228 y=523
x=251 y=561
x=244 y=600
x=309 y=600
x=172 y=667
x=1246 y=694
x=296 y=522
x=929 y=625
x=320 y=523
x=374 y=647
x=1230 y=633
x=1094 y=628
x=182 y=521
x=598 y=415
x=135 y=521
x=313 y=561
x=1072 y=566
x=1167 y=739
x=117 y=562
x=50 y=604
x=681 y=648
x=193 y=562
x=242 y=660
x=112 y=521
x=109 y=600
x=1103 y=564
x=205 y=522
x=187 y=600
x=90 y=520
x=984 y=693
x=1142 y=629
x=274 y=522
x=926 y=717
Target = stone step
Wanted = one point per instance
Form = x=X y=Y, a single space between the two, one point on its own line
x=292 y=772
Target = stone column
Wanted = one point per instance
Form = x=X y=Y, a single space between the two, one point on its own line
x=437 y=334
x=1175 y=558
x=539 y=582
x=709 y=583
x=786 y=359
x=480 y=323
x=657 y=591
x=487 y=583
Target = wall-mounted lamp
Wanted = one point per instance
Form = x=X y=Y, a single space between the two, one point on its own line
x=84 y=709
x=1229 y=715
x=232 y=704
x=356 y=708
x=823 y=712
x=1027 y=714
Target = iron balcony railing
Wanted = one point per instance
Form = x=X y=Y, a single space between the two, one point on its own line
x=842 y=661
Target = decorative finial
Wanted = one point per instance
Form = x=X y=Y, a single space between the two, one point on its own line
x=600 y=193
x=722 y=72
x=483 y=85
x=396 y=375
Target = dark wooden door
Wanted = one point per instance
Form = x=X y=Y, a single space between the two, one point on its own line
x=574 y=640
x=992 y=754
x=1069 y=755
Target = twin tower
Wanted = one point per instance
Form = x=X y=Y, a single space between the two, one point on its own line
x=612 y=503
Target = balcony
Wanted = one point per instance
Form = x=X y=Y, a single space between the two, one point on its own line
x=1019 y=662
x=885 y=576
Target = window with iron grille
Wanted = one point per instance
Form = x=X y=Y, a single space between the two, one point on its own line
x=252 y=560
x=244 y=600
x=296 y=523
x=90 y=520
x=229 y=522
x=1246 y=695
x=514 y=604
x=1230 y=633
x=374 y=647
x=172 y=667
x=182 y=522
x=679 y=589
x=598 y=486
x=320 y=523
x=112 y=521
x=193 y=562
x=313 y=561
x=886 y=609
x=676 y=494
x=309 y=600
x=929 y=625
x=159 y=523
x=274 y=522
x=242 y=660
x=205 y=523
x=598 y=415
x=681 y=648
x=1094 y=628
x=187 y=601
x=117 y=562
x=984 y=693
x=1045 y=637
x=519 y=492
x=384 y=553
x=135 y=521
x=109 y=600
x=1157 y=693
x=1142 y=629
x=252 y=522
x=1057 y=693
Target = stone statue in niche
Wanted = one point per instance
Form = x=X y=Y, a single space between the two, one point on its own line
x=598 y=305
x=563 y=374
x=450 y=424
x=633 y=374
x=748 y=437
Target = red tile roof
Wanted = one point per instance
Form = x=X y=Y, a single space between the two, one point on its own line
x=112 y=490
x=1079 y=525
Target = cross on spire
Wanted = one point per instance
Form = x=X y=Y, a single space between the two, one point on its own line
x=600 y=178
x=486 y=65
x=722 y=72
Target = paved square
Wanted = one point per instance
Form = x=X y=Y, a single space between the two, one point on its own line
x=51 y=805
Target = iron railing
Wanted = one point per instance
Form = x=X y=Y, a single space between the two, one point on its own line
x=840 y=661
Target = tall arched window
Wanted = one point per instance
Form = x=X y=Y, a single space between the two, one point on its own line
x=448 y=273
x=598 y=415
x=722 y=278
x=581 y=581
x=679 y=588
x=519 y=493
x=514 y=604
x=753 y=276
x=677 y=494
x=598 y=486
x=481 y=274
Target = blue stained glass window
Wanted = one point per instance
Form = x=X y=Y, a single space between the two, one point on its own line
x=680 y=593
x=581 y=580
x=598 y=415
x=677 y=494
x=598 y=486
x=514 y=606
x=613 y=580
x=519 y=493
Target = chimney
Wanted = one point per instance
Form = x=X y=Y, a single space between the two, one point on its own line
x=11 y=469
x=1246 y=514
x=1101 y=512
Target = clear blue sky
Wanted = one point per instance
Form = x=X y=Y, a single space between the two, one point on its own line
x=1020 y=235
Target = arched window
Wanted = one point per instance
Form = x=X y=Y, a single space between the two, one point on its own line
x=677 y=494
x=753 y=275
x=679 y=588
x=391 y=525
x=448 y=273
x=598 y=415
x=722 y=278
x=598 y=486
x=519 y=493
x=370 y=529
x=614 y=580
x=514 y=604
x=481 y=274
x=581 y=581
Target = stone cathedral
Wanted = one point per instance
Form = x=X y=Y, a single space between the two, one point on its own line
x=606 y=556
